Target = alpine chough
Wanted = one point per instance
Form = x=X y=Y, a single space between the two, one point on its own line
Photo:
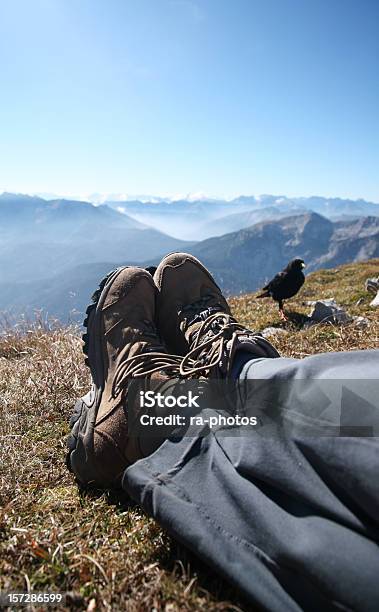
x=285 y=284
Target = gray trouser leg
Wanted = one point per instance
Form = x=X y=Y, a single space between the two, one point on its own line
x=292 y=521
x=333 y=394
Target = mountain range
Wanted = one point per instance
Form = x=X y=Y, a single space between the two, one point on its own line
x=200 y=219
x=53 y=253
x=40 y=238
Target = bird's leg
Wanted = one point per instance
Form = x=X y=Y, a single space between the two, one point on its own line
x=281 y=312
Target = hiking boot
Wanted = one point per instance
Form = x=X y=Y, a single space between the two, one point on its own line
x=194 y=320
x=121 y=344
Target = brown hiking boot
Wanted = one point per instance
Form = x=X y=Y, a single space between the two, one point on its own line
x=121 y=344
x=194 y=319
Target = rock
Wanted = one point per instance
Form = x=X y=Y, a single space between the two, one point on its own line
x=372 y=285
x=273 y=331
x=375 y=301
x=361 y=321
x=359 y=302
x=328 y=311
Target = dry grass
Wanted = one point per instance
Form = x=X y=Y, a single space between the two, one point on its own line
x=100 y=548
x=346 y=285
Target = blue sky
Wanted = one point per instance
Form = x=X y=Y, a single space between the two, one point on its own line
x=221 y=97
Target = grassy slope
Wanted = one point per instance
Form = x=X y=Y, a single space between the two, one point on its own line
x=97 y=546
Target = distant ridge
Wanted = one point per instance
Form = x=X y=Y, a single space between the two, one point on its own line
x=243 y=261
x=203 y=218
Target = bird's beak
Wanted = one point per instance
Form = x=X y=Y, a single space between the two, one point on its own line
x=303 y=265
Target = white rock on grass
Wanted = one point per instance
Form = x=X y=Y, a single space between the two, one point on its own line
x=372 y=285
x=273 y=331
x=361 y=322
x=375 y=301
x=328 y=311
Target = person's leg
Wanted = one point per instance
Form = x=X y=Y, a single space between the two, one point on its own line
x=291 y=520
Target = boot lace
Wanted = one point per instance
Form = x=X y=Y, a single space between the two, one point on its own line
x=142 y=365
x=217 y=332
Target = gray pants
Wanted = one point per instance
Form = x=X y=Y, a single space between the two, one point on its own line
x=289 y=517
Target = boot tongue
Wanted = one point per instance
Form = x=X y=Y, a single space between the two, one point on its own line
x=197 y=317
x=191 y=324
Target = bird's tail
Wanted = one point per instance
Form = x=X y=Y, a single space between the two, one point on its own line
x=262 y=295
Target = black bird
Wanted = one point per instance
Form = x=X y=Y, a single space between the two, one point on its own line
x=285 y=284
